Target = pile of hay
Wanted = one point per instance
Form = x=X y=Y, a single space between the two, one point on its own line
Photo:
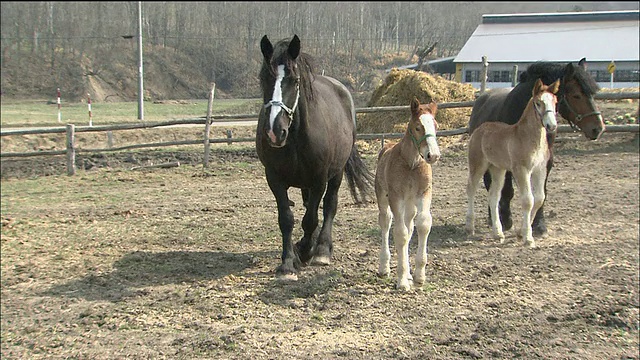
x=401 y=86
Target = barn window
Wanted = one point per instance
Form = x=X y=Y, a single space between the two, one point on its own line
x=472 y=76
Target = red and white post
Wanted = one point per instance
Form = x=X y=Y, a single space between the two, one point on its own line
x=89 y=105
x=59 y=108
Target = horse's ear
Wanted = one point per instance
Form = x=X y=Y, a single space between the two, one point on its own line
x=415 y=104
x=266 y=47
x=583 y=63
x=555 y=87
x=294 y=47
x=434 y=107
x=569 y=70
x=537 y=88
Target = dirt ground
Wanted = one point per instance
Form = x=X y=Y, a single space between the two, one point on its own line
x=179 y=263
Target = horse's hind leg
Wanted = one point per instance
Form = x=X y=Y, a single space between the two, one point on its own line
x=497 y=176
x=504 y=206
x=424 y=221
x=324 y=245
x=384 y=220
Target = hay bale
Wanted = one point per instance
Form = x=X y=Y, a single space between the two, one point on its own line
x=401 y=86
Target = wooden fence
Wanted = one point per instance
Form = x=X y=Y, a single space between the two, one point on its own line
x=207 y=120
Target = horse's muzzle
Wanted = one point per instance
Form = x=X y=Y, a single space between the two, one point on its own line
x=277 y=139
x=432 y=158
x=594 y=132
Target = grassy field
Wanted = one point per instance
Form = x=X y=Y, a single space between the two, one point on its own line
x=33 y=113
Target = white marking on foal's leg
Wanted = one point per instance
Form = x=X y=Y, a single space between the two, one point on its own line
x=401 y=239
x=384 y=220
x=423 y=225
x=526 y=199
x=472 y=188
x=497 y=182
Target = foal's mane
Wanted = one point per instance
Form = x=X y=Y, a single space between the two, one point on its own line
x=549 y=72
x=302 y=68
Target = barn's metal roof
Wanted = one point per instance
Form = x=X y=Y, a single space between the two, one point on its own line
x=558 y=37
x=441 y=66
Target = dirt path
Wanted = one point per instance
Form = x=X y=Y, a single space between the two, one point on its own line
x=179 y=264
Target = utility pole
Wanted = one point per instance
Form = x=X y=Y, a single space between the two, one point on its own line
x=140 y=72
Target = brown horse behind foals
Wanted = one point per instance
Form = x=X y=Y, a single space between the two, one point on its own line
x=520 y=148
x=403 y=186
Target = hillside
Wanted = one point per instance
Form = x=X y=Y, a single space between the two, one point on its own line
x=112 y=75
x=167 y=75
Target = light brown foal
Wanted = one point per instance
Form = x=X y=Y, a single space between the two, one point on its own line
x=520 y=148
x=403 y=185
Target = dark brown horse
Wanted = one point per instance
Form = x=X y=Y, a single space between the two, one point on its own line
x=575 y=104
x=306 y=139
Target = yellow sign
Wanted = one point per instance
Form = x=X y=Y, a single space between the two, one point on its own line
x=611 y=67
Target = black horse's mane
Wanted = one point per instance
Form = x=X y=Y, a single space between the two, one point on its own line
x=549 y=72
x=302 y=67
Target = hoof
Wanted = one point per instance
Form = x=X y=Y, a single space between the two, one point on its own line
x=383 y=272
x=506 y=223
x=321 y=260
x=539 y=230
x=404 y=286
x=287 y=277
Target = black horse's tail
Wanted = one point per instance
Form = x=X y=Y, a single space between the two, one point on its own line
x=359 y=178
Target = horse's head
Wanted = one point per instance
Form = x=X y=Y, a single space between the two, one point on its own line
x=422 y=129
x=280 y=82
x=544 y=102
x=576 y=103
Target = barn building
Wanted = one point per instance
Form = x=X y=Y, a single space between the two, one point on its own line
x=609 y=40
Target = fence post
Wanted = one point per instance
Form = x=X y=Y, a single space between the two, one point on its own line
x=207 y=127
x=109 y=139
x=89 y=106
x=59 y=107
x=71 y=150
x=514 y=76
x=483 y=74
x=229 y=137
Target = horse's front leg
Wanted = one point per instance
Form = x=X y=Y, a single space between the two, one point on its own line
x=497 y=176
x=538 y=183
x=401 y=235
x=384 y=221
x=290 y=262
x=539 y=226
x=523 y=179
x=424 y=221
x=307 y=244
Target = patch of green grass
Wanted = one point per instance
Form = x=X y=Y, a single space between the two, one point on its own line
x=44 y=113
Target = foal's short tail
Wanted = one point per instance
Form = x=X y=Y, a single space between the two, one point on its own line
x=359 y=178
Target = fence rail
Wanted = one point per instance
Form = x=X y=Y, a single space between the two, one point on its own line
x=71 y=129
